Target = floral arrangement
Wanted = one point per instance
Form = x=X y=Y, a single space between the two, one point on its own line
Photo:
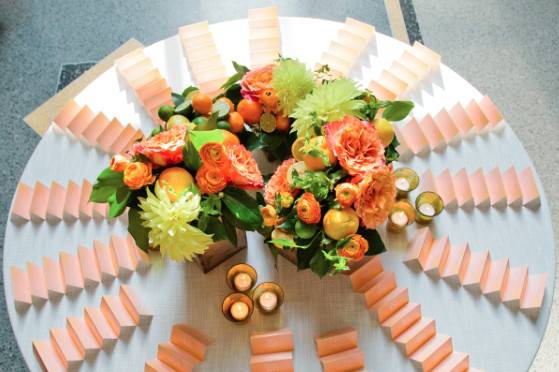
x=326 y=201
x=184 y=189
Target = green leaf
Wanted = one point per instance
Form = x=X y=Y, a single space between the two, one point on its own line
x=319 y=264
x=215 y=227
x=240 y=68
x=177 y=99
x=137 y=230
x=107 y=184
x=243 y=208
x=119 y=201
x=181 y=109
x=240 y=72
x=376 y=245
x=284 y=243
x=199 y=138
x=397 y=110
x=156 y=131
x=228 y=221
x=190 y=156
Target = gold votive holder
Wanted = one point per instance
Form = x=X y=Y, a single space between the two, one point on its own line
x=406 y=180
x=235 y=304
x=241 y=277
x=401 y=215
x=268 y=297
x=428 y=205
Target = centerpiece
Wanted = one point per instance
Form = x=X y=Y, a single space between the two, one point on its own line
x=185 y=190
x=322 y=206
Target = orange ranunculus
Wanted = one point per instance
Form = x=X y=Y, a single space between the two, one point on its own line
x=355 y=248
x=137 y=175
x=377 y=195
x=210 y=180
x=356 y=144
x=256 y=81
x=278 y=184
x=346 y=194
x=308 y=208
x=243 y=171
x=269 y=215
x=119 y=163
x=213 y=154
x=164 y=148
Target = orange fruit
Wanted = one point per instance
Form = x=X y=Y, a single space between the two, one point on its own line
x=317 y=163
x=237 y=122
x=250 y=110
x=269 y=99
x=228 y=101
x=229 y=138
x=282 y=123
x=297 y=147
x=202 y=103
x=174 y=181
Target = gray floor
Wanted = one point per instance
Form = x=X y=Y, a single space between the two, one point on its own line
x=38 y=36
x=510 y=51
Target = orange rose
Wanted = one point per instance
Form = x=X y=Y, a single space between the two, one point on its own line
x=243 y=171
x=356 y=144
x=210 y=180
x=164 y=148
x=346 y=193
x=119 y=163
x=278 y=184
x=377 y=195
x=137 y=175
x=308 y=208
x=355 y=248
x=256 y=81
x=269 y=215
x=213 y=154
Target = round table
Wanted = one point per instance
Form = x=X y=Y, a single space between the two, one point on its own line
x=496 y=337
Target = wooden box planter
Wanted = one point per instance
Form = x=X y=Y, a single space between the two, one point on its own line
x=220 y=252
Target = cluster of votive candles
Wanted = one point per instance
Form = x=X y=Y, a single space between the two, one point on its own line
x=427 y=204
x=239 y=305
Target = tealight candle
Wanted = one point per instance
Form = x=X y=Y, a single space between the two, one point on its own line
x=242 y=282
x=268 y=296
x=268 y=300
x=241 y=277
x=428 y=204
x=401 y=215
x=237 y=307
x=406 y=181
x=239 y=310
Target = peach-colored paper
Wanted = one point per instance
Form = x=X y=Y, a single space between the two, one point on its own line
x=495 y=187
x=451 y=267
x=432 y=352
x=439 y=253
x=155 y=365
x=81 y=121
x=271 y=342
x=37 y=283
x=191 y=340
x=100 y=327
x=381 y=91
x=71 y=271
x=415 y=336
x=54 y=278
x=472 y=274
x=135 y=306
x=362 y=275
x=385 y=284
x=121 y=252
x=336 y=341
x=529 y=188
x=55 y=206
x=490 y=111
x=445 y=188
x=446 y=125
x=48 y=356
x=21 y=290
x=478 y=186
x=72 y=201
x=109 y=135
x=492 y=283
x=89 y=266
x=67 y=350
x=176 y=358
x=392 y=302
x=277 y=362
x=349 y=360
x=462 y=189
x=431 y=132
x=402 y=319
x=86 y=208
x=512 y=187
x=116 y=314
x=92 y=132
x=461 y=119
x=455 y=362
x=105 y=260
x=476 y=116
x=515 y=286
x=419 y=248
x=68 y=112
x=532 y=298
x=82 y=336
x=426 y=55
x=22 y=202
x=40 y=201
x=414 y=137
